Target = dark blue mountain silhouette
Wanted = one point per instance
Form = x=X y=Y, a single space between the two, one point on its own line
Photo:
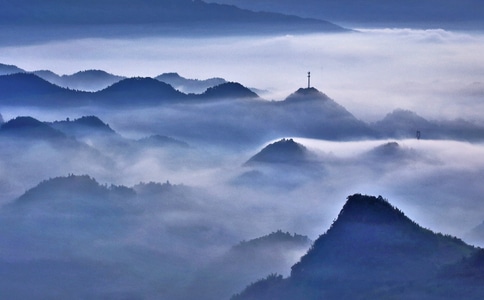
x=29 y=89
x=89 y=80
x=161 y=141
x=135 y=91
x=193 y=86
x=49 y=76
x=389 y=153
x=79 y=193
x=373 y=251
x=306 y=94
x=470 y=271
x=295 y=161
x=246 y=262
x=388 y=13
x=476 y=234
x=285 y=151
x=316 y=114
x=168 y=17
x=84 y=126
x=9 y=69
x=29 y=128
x=229 y=90
x=405 y=124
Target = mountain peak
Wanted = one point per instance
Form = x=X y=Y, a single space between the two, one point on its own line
x=307 y=94
x=282 y=151
x=86 y=125
x=152 y=91
x=370 y=210
x=28 y=127
x=229 y=90
x=191 y=86
x=372 y=251
x=169 y=75
x=371 y=233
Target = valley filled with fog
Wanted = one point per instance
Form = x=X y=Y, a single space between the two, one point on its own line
x=162 y=198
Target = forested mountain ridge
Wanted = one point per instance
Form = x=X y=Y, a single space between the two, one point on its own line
x=372 y=250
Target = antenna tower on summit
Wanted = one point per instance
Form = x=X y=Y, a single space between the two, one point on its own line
x=309 y=80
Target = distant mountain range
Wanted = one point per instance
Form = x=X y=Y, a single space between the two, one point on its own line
x=87 y=136
x=405 y=124
x=66 y=19
x=96 y=80
x=190 y=86
x=29 y=89
x=373 y=251
x=10 y=69
x=87 y=125
x=89 y=80
x=307 y=112
x=30 y=128
x=390 y=13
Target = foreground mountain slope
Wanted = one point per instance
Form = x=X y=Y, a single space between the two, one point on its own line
x=246 y=262
x=372 y=251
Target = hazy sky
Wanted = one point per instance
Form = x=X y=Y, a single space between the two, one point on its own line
x=436 y=73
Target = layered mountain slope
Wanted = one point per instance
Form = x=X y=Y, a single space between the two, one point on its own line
x=10 y=69
x=186 y=85
x=29 y=89
x=135 y=91
x=285 y=151
x=29 y=128
x=89 y=80
x=312 y=111
x=408 y=124
x=371 y=251
x=229 y=90
x=246 y=262
x=391 y=13
x=54 y=20
x=84 y=126
x=298 y=164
